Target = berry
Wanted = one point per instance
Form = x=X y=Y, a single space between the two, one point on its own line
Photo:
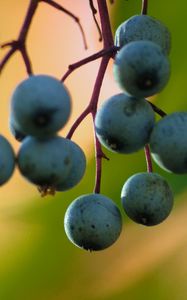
x=40 y=105
x=7 y=160
x=93 y=222
x=123 y=123
x=45 y=162
x=77 y=169
x=168 y=143
x=147 y=198
x=141 y=68
x=143 y=27
x=14 y=129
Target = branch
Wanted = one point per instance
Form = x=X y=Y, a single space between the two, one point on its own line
x=110 y=51
x=144 y=7
x=94 y=12
x=159 y=111
x=75 y=18
x=148 y=158
x=108 y=40
x=106 y=54
x=19 y=44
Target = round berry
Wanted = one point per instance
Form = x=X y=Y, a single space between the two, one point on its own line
x=77 y=170
x=168 y=143
x=147 y=198
x=141 y=68
x=40 y=105
x=123 y=123
x=93 y=222
x=7 y=160
x=45 y=162
x=143 y=27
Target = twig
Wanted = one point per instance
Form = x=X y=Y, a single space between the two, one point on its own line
x=144 y=7
x=110 y=51
x=159 y=111
x=148 y=158
x=20 y=43
x=75 y=18
x=94 y=12
x=106 y=55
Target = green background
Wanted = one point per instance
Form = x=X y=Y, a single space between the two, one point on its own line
x=145 y=263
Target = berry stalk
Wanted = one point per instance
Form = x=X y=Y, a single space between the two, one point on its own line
x=106 y=53
x=144 y=7
x=20 y=43
x=148 y=158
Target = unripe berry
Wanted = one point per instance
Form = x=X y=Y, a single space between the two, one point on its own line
x=141 y=68
x=7 y=160
x=168 y=142
x=123 y=123
x=40 y=105
x=45 y=162
x=143 y=27
x=147 y=198
x=93 y=222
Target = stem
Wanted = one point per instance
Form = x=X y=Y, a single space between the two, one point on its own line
x=144 y=7
x=99 y=156
x=94 y=101
x=94 y=12
x=71 y=68
x=78 y=121
x=92 y=108
x=27 y=61
x=75 y=18
x=19 y=44
x=105 y=24
x=28 y=19
x=148 y=158
x=106 y=54
x=159 y=111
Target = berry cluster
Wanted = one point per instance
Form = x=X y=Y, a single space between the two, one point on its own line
x=51 y=162
x=125 y=123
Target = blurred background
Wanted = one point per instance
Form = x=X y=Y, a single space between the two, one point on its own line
x=37 y=261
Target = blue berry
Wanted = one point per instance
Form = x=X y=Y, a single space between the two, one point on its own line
x=147 y=198
x=7 y=160
x=40 y=105
x=143 y=27
x=93 y=222
x=77 y=169
x=45 y=162
x=141 y=68
x=168 y=143
x=123 y=123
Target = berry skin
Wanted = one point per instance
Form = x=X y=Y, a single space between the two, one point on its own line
x=168 y=143
x=93 y=222
x=45 y=162
x=147 y=198
x=143 y=27
x=19 y=136
x=40 y=105
x=7 y=160
x=77 y=169
x=141 y=68
x=124 y=123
